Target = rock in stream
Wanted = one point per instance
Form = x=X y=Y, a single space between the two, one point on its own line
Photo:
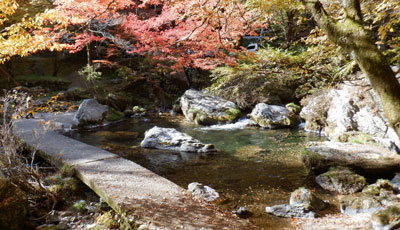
x=273 y=116
x=341 y=180
x=173 y=140
x=205 y=109
x=319 y=156
x=90 y=112
x=203 y=192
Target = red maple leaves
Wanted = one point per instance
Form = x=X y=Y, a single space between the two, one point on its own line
x=200 y=33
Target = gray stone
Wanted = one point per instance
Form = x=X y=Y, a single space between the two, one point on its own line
x=341 y=180
x=307 y=198
x=351 y=107
x=273 y=116
x=387 y=218
x=291 y=211
x=171 y=139
x=203 y=192
x=396 y=182
x=319 y=156
x=202 y=108
x=90 y=112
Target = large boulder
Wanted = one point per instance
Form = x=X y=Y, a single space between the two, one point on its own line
x=205 y=109
x=307 y=198
x=351 y=108
x=13 y=205
x=90 y=112
x=341 y=180
x=203 y=192
x=291 y=211
x=171 y=139
x=319 y=156
x=273 y=116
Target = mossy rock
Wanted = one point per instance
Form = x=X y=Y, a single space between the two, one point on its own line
x=356 y=138
x=307 y=198
x=138 y=109
x=381 y=187
x=341 y=180
x=202 y=118
x=387 y=218
x=202 y=108
x=292 y=107
x=359 y=203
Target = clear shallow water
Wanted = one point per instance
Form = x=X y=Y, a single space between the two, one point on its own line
x=254 y=168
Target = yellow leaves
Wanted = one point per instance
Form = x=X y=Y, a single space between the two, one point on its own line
x=28 y=36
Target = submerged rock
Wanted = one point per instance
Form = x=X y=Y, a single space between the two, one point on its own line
x=307 y=198
x=319 y=156
x=273 y=116
x=171 y=139
x=90 y=112
x=387 y=218
x=202 y=108
x=291 y=211
x=203 y=192
x=341 y=180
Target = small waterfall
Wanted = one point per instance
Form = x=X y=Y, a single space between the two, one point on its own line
x=240 y=124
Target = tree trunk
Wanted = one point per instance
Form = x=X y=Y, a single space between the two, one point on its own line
x=351 y=35
x=290 y=26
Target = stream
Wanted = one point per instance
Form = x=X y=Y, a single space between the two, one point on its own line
x=253 y=167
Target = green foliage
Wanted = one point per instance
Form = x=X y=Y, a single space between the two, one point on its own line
x=125 y=73
x=79 y=206
x=90 y=73
x=67 y=171
x=275 y=75
x=114 y=115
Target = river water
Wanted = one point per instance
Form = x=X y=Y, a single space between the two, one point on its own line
x=253 y=167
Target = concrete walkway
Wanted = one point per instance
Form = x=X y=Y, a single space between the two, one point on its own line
x=124 y=185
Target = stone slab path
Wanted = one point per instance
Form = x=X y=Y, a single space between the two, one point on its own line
x=124 y=185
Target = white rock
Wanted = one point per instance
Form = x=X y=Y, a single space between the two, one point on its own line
x=171 y=139
x=203 y=192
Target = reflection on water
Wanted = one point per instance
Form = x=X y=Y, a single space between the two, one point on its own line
x=254 y=168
